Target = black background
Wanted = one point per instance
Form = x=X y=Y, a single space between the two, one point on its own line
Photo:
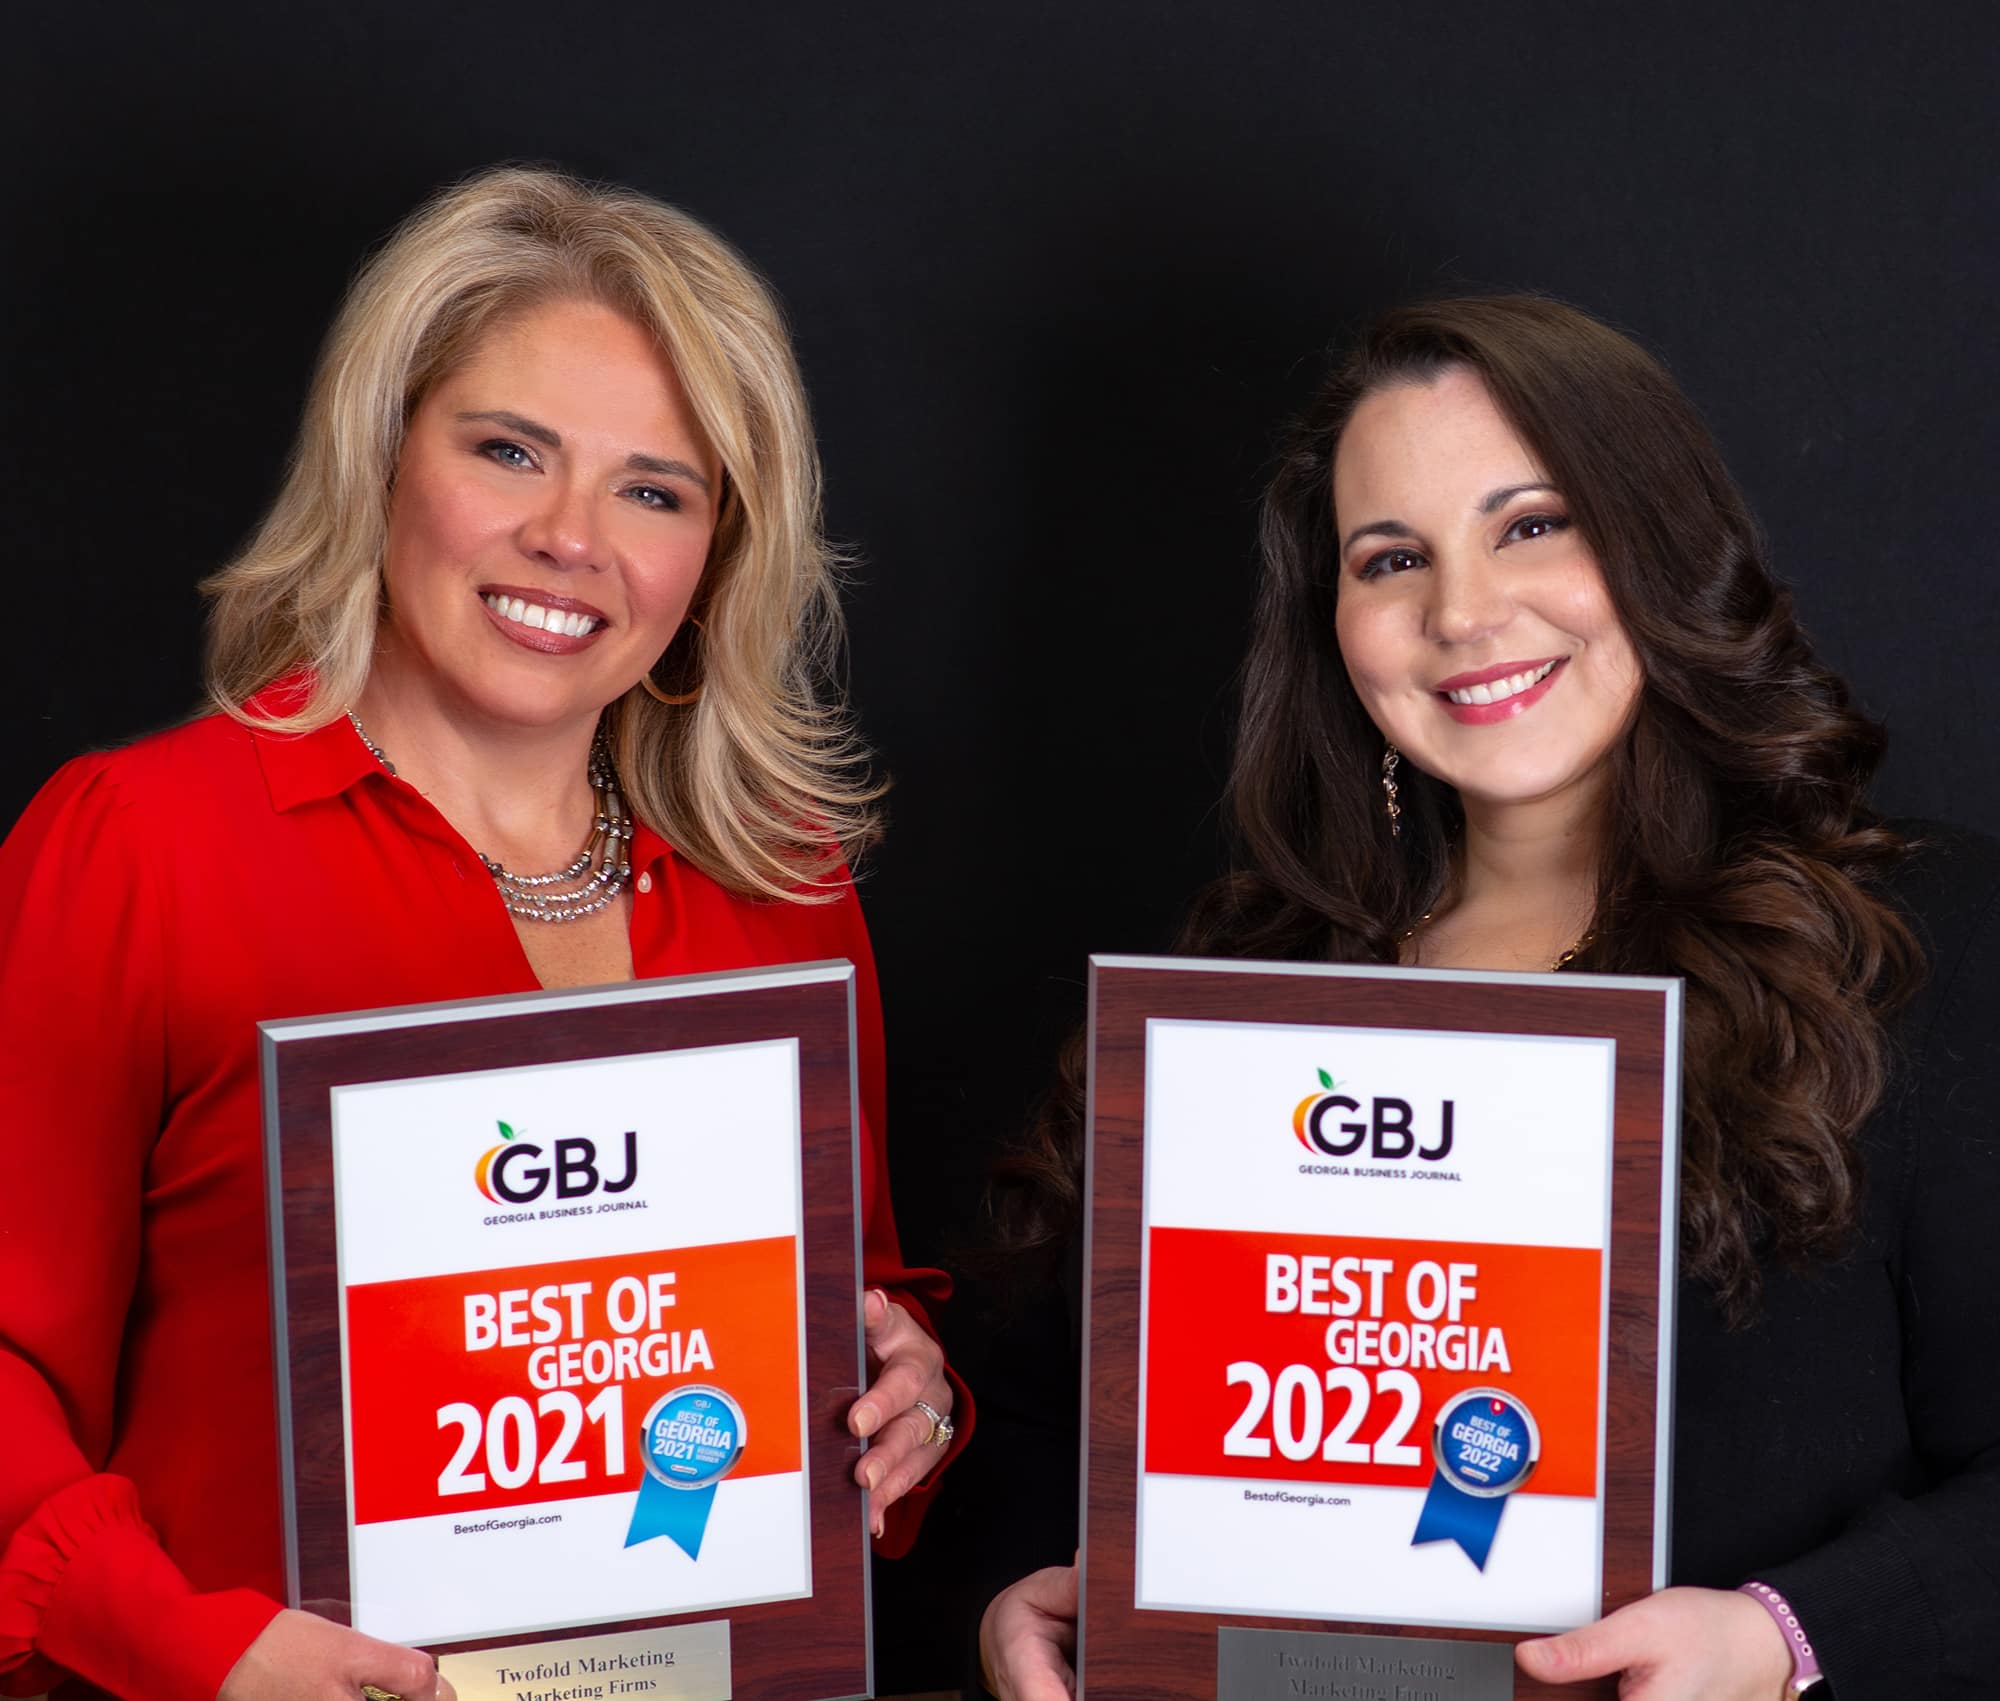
x=1057 y=272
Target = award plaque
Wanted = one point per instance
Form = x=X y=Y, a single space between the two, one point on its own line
x=566 y=1290
x=1378 y=1324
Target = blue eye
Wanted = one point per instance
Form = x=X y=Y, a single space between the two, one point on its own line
x=507 y=453
x=655 y=496
x=1389 y=561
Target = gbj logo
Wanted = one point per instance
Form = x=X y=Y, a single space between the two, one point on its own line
x=510 y=1173
x=1389 y=1130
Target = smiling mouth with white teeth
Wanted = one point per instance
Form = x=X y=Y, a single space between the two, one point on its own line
x=532 y=614
x=1499 y=690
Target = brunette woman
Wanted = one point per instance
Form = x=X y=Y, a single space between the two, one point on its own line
x=1524 y=694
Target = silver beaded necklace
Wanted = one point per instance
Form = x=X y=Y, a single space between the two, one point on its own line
x=603 y=866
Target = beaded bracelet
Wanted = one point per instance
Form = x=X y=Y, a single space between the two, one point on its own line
x=1805 y=1663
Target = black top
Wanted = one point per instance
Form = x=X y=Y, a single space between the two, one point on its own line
x=1845 y=1448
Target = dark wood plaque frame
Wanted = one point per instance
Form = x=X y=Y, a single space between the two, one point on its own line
x=810 y=1649
x=1127 y=1651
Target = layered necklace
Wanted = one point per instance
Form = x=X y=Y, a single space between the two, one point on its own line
x=601 y=868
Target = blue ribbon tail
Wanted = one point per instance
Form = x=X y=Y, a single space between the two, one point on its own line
x=1468 y=1519
x=680 y=1514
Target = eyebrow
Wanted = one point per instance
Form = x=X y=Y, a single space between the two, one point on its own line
x=541 y=434
x=666 y=469
x=1497 y=499
x=1491 y=502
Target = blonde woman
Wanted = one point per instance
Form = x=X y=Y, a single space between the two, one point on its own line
x=548 y=556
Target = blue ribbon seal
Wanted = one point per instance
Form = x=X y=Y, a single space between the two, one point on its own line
x=690 y=1441
x=1486 y=1446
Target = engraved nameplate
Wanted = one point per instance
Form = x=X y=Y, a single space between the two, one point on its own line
x=683 y=1662
x=1283 y=1665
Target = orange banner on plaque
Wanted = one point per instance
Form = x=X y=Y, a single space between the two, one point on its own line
x=1322 y=1358
x=516 y=1386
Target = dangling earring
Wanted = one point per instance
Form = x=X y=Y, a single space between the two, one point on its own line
x=1390 y=757
x=673 y=700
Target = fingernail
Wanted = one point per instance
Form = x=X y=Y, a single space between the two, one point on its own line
x=879 y=1525
x=866 y=1420
x=871 y=1477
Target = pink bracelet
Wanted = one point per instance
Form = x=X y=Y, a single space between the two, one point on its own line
x=1805 y=1663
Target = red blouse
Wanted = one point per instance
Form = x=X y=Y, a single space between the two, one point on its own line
x=156 y=903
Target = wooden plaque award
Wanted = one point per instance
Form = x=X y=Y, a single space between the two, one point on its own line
x=566 y=1291
x=1378 y=1323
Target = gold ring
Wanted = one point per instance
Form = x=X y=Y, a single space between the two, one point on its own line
x=373 y=1694
x=941 y=1429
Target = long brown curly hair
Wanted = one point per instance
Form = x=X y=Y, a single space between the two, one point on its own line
x=1738 y=849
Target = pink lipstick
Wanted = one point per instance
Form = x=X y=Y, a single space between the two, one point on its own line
x=1490 y=695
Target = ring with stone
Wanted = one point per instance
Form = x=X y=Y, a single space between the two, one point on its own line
x=941 y=1429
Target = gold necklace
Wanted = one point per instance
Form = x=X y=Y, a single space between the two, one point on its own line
x=1562 y=962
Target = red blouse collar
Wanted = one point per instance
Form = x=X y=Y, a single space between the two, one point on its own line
x=306 y=767
x=303 y=767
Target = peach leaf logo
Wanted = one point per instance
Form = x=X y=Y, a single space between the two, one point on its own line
x=1305 y=1106
x=484 y=1167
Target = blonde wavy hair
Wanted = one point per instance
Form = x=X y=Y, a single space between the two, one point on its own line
x=761 y=781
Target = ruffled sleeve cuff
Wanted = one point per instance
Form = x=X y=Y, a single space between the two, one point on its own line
x=86 y=1589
